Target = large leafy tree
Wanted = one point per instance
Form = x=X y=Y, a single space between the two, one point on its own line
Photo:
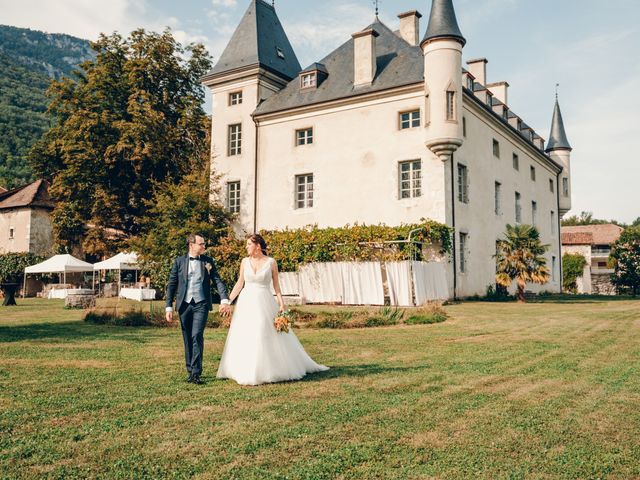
x=130 y=121
x=519 y=257
x=625 y=256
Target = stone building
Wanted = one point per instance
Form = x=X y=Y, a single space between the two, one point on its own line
x=594 y=243
x=388 y=128
x=25 y=222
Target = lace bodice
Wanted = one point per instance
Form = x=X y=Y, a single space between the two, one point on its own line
x=262 y=277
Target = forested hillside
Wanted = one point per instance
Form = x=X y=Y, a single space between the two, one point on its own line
x=29 y=60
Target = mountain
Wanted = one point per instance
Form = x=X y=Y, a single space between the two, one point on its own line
x=29 y=60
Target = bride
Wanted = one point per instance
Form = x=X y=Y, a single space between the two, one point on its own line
x=255 y=352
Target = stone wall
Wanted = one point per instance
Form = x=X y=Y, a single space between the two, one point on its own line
x=601 y=284
x=41 y=235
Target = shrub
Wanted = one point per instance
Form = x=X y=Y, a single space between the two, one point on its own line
x=429 y=314
x=572 y=267
x=134 y=318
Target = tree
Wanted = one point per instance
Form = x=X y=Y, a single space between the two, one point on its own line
x=519 y=257
x=585 y=218
x=12 y=267
x=174 y=212
x=625 y=256
x=572 y=267
x=130 y=121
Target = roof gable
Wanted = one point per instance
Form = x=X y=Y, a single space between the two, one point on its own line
x=35 y=194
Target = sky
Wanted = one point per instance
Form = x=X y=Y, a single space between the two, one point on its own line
x=590 y=47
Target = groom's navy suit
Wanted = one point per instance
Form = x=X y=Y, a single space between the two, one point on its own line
x=190 y=283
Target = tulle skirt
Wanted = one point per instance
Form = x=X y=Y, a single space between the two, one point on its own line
x=254 y=352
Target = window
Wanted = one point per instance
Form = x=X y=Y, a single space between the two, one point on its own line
x=233 y=197
x=409 y=119
x=304 y=136
x=304 y=191
x=463 y=184
x=496 y=198
x=235 y=98
x=489 y=99
x=505 y=113
x=410 y=179
x=565 y=187
x=516 y=162
x=464 y=127
x=308 y=80
x=235 y=140
x=518 y=209
x=533 y=173
x=11 y=232
x=534 y=213
x=470 y=83
x=496 y=148
x=463 y=252
x=553 y=269
x=551 y=187
x=553 y=222
x=451 y=105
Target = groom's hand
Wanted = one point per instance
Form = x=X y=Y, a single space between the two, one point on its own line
x=169 y=317
x=225 y=309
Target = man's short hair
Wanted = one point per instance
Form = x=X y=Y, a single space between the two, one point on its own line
x=191 y=238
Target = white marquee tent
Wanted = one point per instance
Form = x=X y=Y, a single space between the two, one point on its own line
x=62 y=264
x=122 y=261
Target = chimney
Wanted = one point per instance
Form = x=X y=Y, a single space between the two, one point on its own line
x=410 y=26
x=364 y=57
x=478 y=68
x=499 y=89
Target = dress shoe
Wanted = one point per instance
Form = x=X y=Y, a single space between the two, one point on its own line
x=197 y=380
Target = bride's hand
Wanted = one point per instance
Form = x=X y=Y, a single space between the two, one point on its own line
x=282 y=308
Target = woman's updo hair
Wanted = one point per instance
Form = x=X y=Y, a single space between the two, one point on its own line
x=257 y=239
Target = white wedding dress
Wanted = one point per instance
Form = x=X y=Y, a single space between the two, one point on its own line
x=255 y=352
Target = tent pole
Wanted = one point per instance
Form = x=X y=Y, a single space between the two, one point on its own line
x=65 y=277
x=24 y=284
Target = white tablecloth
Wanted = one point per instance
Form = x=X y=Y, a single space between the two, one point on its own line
x=139 y=294
x=63 y=292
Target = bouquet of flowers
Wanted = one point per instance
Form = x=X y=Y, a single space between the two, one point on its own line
x=283 y=321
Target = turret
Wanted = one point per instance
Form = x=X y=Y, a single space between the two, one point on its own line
x=442 y=49
x=559 y=150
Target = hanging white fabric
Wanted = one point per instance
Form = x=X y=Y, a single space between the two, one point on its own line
x=289 y=283
x=399 y=283
x=430 y=281
x=362 y=283
x=321 y=282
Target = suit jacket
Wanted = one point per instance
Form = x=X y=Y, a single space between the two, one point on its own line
x=177 y=285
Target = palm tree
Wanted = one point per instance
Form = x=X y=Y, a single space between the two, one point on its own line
x=519 y=257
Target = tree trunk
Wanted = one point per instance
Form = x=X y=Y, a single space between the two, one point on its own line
x=520 y=295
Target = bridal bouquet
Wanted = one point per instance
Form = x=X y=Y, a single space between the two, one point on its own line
x=283 y=321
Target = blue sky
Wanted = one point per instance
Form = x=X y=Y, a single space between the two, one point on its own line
x=590 y=47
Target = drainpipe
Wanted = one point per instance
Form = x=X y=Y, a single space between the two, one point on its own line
x=255 y=182
x=453 y=225
x=559 y=224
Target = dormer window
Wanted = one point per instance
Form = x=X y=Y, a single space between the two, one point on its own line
x=470 y=83
x=308 y=80
x=489 y=99
x=280 y=53
x=519 y=123
x=505 y=112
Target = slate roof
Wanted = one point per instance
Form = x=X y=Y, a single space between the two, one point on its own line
x=35 y=194
x=398 y=64
x=259 y=39
x=605 y=234
x=557 y=136
x=443 y=22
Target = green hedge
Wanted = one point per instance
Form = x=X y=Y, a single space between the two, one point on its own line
x=572 y=267
x=291 y=248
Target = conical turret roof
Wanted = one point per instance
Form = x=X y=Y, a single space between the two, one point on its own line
x=260 y=40
x=557 y=137
x=443 y=22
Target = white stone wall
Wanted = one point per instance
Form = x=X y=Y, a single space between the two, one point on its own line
x=478 y=218
x=354 y=160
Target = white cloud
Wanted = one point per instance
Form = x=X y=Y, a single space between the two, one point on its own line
x=224 y=3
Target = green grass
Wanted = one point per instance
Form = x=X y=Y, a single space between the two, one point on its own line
x=499 y=390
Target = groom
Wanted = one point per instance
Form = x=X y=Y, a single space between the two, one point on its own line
x=190 y=282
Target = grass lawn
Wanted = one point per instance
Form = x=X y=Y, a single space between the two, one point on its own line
x=542 y=390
